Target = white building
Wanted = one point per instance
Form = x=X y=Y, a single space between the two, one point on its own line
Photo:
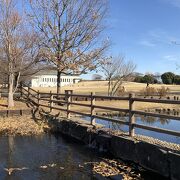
x=49 y=79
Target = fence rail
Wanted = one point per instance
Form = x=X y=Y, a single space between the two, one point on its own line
x=53 y=98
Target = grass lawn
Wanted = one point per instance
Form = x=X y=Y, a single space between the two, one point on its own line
x=100 y=87
x=17 y=105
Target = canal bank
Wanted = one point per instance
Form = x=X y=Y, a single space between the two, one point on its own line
x=48 y=156
x=26 y=152
x=159 y=158
x=121 y=147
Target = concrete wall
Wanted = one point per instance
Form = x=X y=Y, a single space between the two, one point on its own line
x=149 y=156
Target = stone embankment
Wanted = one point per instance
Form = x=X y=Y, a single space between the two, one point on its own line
x=154 y=155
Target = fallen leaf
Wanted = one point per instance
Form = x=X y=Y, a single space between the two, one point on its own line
x=43 y=167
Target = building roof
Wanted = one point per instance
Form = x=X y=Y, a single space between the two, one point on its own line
x=51 y=72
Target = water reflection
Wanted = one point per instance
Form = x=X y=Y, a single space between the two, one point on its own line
x=145 y=120
x=36 y=156
x=152 y=120
x=148 y=120
x=49 y=157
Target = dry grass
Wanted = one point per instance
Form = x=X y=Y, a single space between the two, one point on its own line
x=100 y=87
x=124 y=105
x=24 y=125
x=81 y=87
x=18 y=105
x=116 y=104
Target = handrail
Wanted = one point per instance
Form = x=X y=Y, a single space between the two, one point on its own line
x=111 y=97
x=80 y=113
x=55 y=94
x=111 y=108
x=33 y=90
x=80 y=95
x=34 y=96
x=131 y=111
x=24 y=89
x=159 y=130
x=80 y=104
x=112 y=120
x=157 y=115
x=165 y=101
x=55 y=101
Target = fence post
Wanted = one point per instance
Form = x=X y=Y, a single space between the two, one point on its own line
x=93 y=121
x=131 y=115
x=39 y=96
x=21 y=89
x=28 y=92
x=51 y=101
x=68 y=96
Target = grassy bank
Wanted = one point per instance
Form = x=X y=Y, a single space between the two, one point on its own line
x=24 y=126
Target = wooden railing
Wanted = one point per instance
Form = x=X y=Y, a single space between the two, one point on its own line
x=54 y=100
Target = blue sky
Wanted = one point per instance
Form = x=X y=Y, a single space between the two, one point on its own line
x=144 y=31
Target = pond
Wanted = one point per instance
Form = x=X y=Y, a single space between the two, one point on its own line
x=49 y=157
x=149 y=121
x=44 y=157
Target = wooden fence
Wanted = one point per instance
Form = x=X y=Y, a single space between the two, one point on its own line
x=37 y=98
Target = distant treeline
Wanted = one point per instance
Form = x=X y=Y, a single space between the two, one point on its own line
x=167 y=78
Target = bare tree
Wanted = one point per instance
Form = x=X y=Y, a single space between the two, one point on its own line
x=69 y=31
x=19 y=50
x=116 y=70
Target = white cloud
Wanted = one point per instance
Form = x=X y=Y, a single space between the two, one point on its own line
x=161 y=36
x=157 y=37
x=174 y=58
x=175 y=3
x=146 y=43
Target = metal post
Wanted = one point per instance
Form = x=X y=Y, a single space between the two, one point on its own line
x=131 y=115
x=93 y=121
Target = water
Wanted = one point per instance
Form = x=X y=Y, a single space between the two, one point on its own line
x=30 y=154
x=149 y=121
x=36 y=151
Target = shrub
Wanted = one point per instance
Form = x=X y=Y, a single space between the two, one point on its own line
x=138 y=79
x=177 y=79
x=149 y=91
x=163 y=91
x=168 y=78
x=121 y=90
x=146 y=79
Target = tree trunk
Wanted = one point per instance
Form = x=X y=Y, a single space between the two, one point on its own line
x=58 y=82
x=109 y=85
x=10 y=91
x=16 y=76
